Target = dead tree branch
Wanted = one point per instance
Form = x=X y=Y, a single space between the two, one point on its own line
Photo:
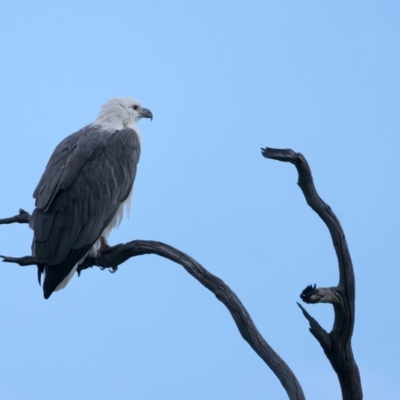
x=337 y=343
x=118 y=254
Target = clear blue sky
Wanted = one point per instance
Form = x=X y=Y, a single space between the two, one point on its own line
x=222 y=79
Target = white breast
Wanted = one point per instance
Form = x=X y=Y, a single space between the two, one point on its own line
x=115 y=222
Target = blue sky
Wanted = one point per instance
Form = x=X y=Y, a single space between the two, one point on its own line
x=222 y=80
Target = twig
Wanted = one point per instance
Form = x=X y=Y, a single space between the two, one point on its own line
x=21 y=218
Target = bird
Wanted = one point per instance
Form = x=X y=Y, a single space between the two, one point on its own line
x=84 y=190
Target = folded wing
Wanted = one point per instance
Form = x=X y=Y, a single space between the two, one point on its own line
x=88 y=177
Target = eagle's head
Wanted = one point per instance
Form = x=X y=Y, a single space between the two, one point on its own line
x=119 y=113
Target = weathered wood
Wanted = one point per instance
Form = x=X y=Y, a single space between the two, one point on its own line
x=336 y=344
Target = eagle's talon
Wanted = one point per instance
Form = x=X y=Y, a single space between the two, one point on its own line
x=112 y=270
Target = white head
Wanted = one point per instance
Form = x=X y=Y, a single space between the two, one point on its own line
x=119 y=113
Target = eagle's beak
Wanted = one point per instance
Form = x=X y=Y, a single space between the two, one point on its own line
x=146 y=113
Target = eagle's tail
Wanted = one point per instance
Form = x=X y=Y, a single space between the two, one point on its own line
x=40 y=272
x=57 y=277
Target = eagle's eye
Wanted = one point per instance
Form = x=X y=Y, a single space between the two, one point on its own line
x=135 y=107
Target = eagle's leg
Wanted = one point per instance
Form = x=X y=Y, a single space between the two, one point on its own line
x=104 y=248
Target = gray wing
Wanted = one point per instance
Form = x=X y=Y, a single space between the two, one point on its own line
x=88 y=176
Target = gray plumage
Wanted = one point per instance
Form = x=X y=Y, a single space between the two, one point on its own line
x=87 y=180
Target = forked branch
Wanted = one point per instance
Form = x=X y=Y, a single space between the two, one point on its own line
x=337 y=343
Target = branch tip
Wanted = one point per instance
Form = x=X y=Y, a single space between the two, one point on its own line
x=22 y=217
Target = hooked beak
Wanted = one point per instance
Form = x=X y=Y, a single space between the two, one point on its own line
x=146 y=113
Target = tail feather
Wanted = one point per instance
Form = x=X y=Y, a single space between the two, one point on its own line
x=57 y=277
x=40 y=271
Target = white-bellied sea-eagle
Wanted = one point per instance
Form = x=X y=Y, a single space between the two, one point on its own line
x=84 y=189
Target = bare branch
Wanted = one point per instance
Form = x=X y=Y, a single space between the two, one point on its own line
x=21 y=218
x=118 y=254
x=338 y=347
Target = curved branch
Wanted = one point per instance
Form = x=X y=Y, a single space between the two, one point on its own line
x=116 y=255
x=342 y=297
